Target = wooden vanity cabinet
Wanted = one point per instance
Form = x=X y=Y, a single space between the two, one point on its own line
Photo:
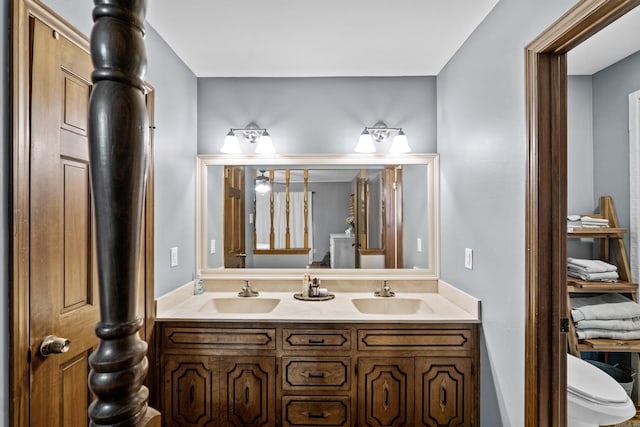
x=215 y=377
x=419 y=376
x=277 y=374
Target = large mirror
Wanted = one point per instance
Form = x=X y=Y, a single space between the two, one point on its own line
x=338 y=214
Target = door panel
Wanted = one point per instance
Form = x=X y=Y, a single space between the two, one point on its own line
x=63 y=280
x=234 y=224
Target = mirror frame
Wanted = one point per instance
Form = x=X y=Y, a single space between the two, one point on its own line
x=433 y=248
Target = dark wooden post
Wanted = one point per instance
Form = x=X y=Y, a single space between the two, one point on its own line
x=118 y=154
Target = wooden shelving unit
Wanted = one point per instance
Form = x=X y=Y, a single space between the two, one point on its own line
x=612 y=250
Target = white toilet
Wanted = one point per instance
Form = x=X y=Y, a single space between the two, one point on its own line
x=593 y=397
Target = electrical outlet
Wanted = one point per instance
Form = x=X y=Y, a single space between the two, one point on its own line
x=212 y=248
x=468 y=258
x=174 y=256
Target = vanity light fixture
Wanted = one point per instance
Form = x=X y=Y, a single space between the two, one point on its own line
x=262 y=184
x=253 y=134
x=379 y=133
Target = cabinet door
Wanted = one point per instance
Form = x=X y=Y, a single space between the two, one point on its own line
x=189 y=385
x=443 y=392
x=248 y=388
x=385 y=391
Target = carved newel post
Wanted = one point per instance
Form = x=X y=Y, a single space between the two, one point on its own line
x=118 y=155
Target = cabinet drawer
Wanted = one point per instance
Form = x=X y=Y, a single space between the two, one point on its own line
x=415 y=339
x=316 y=411
x=313 y=373
x=220 y=338
x=306 y=339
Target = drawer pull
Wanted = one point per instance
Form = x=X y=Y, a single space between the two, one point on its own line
x=443 y=397
x=312 y=375
x=316 y=341
x=316 y=415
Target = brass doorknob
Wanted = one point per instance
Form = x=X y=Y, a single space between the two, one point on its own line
x=53 y=344
x=241 y=255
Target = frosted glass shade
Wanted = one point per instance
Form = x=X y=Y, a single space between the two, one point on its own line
x=231 y=144
x=265 y=144
x=365 y=143
x=400 y=144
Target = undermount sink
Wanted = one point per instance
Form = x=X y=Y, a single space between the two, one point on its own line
x=391 y=305
x=240 y=305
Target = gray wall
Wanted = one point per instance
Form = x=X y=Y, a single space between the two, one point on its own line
x=317 y=115
x=330 y=212
x=414 y=215
x=611 y=89
x=580 y=196
x=5 y=19
x=174 y=148
x=482 y=146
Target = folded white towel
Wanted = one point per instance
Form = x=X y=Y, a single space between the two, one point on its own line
x=607 y=276
x=632 y=324
x=604 y=333
x=605 y=306
x=586 y=218
x=590 y=265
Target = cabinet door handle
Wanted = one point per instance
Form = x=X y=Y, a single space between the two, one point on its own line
x=312 y=375
x=246 y=395
x=316 y=341
x=316 y=415
x=443 y=396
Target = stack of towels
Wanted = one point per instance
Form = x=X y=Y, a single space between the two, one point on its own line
x=592 y=270
x=577 y=221
x=612 y=316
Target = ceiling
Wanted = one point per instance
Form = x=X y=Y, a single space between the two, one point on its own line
x=295 y=38
x=613 y=43
x=318 y=38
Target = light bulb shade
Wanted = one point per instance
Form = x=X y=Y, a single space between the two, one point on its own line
x=265 y=144
x=262 y=184
x=400 y=143
x=365 y=143
x=231 y=144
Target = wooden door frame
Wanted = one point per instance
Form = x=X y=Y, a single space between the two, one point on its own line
x=22 y=12
x=546 y=204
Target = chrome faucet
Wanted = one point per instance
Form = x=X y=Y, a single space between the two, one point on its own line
x=247 y=291
x=385 y=291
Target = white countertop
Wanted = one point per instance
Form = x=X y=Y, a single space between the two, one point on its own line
x=445 y=304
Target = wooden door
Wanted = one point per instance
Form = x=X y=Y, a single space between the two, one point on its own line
x=385 y=391
x=190 y=395
x=234 y=223
x=248 y=391
x=63 y=280
x=443 y=392
x=359 y=216
x=393 y=214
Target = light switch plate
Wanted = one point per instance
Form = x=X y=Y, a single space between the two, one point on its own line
x=174 y=256
x=212 y=248
x=419 y=244
x=468 y=258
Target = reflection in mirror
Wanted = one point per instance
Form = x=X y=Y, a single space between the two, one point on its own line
x=283 y=212
x=320 y=212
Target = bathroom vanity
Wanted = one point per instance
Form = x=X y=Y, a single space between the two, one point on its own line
x=353 y=360
x=356 y=360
